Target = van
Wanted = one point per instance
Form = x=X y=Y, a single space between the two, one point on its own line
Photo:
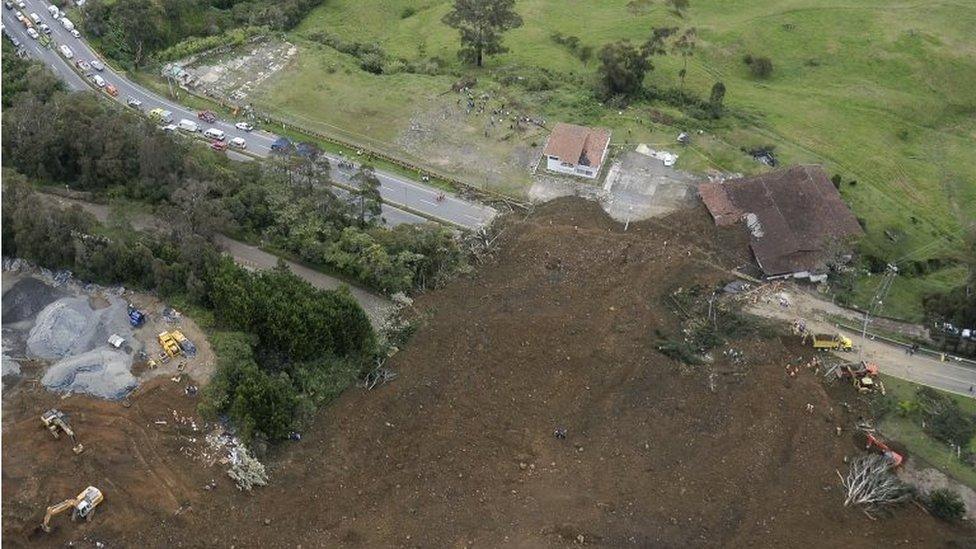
x=188 y=125
x=99 y=81
x=35 y=18
x=66 y=51
x=160 y=115
x=66 y=23
x=55 y=12
x=214 y=133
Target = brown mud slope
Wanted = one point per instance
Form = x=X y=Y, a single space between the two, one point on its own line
x=558 y=331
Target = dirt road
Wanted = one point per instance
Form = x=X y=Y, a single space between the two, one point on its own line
x=377 y=307
x=893 y=360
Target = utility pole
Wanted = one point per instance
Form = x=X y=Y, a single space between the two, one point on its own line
x=876 y=304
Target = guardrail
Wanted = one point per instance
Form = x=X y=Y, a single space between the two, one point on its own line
x=933 y=352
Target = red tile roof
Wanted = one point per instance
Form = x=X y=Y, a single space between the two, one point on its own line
x=578 y=145
x=800 y=215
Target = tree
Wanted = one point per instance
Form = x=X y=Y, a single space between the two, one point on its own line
x=368 y=195
x=716 y=98
x=685 y=47
x=870 y=483
x=481 y=24
x=622 y=68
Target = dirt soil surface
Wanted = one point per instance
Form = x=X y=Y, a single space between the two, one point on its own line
x=559 y=330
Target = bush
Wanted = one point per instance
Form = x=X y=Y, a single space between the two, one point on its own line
x=372 y=62
x=408 y=11
x=946 y=504
x=761 y=67
x=944 y=421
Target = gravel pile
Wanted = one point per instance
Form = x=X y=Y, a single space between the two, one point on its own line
x=26 y=298
x=69 y=327
x=102 y=372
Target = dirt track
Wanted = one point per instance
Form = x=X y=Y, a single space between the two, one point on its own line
x=459 y=451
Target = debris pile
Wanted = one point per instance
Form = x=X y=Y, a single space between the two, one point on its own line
x=247 y=471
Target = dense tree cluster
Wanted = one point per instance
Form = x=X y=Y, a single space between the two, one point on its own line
x=132 y=31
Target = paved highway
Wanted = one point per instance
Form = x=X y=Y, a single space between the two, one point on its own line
x=404 y=199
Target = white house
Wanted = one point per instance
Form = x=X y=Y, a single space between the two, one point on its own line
x=576 y=150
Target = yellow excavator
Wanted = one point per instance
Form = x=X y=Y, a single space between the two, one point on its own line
x=56 y=422
x=82 y=506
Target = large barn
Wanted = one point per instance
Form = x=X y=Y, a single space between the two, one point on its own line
x=795 y=218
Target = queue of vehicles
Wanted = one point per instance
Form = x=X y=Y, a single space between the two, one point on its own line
x=38 y=30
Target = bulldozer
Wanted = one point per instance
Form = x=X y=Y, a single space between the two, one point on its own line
x=56 y=422
x=82 y=506
x=863 y=375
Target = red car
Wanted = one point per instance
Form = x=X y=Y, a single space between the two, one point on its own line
x=207 y=116
x=218 y=146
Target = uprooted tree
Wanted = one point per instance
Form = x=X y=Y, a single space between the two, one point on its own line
x=871 y=484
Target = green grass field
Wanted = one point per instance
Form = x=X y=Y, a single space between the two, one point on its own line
x=920 y=445
x=878 y=91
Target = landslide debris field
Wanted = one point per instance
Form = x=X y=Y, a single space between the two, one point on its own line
x=558 y=330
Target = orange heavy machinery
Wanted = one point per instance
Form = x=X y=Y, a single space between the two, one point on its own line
x=894 y=457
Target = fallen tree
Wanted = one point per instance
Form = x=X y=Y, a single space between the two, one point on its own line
x=870 y=483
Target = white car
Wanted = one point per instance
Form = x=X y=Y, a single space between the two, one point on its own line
x=244 y=126
x=97 y=65
x=66 y=51
x=44 y=28
x=238 y=143
x=35 y=18
x=214 y=133
x=54 y=11
x=169 y=128
x=32 y=33
x=21 y=4
x=75 y=33
x=98 y=80
x=133 y=102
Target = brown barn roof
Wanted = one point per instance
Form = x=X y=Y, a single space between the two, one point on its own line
x=577 y=144
x=799 y=213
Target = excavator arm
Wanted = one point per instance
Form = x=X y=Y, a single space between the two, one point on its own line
x=55 y=510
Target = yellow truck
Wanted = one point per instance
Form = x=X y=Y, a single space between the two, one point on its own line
x=168 y=343
x=832 y=342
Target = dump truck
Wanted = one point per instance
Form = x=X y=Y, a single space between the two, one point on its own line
x=169 y=344
x=189 y=349
x=831 y=342
x=136 y=317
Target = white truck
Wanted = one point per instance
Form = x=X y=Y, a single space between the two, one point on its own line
x=188 y=125
x=66 y=23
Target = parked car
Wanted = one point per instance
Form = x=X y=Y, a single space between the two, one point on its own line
x=207 y=116
x=112 y=90
x=97 y=65
x=188 y=125
x=8 y=4
x=35 y=18
x=75 y=33
x=218 y=146
x=244 y=126
x=238 y=143
x=44 y=28
x=133 y=102
x=20 y=17
x=54 y=11
x=32 y=33
x=21 y=4
x=83 y=65
x=66 y=23
x=98 y=80
x=214 y=133
x=66 y=51
x=169 y=128
x=14 y=41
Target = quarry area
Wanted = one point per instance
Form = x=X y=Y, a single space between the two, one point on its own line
x=541 y=402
